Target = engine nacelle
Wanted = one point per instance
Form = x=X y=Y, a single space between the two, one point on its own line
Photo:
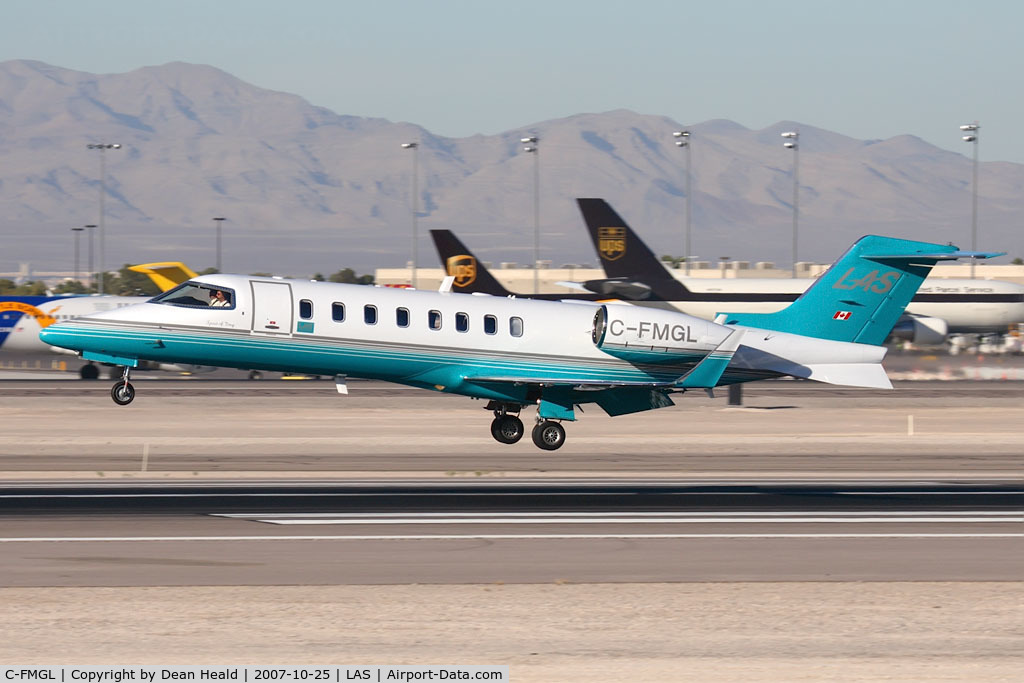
x=651 y=335
x=922 y=330
x=620 y=288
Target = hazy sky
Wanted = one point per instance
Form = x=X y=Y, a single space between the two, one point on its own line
x=865 y=69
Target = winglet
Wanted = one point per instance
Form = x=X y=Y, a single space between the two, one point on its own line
x=446 y=284
x=706 y=373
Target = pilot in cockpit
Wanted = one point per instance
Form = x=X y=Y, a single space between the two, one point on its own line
x=219 y=298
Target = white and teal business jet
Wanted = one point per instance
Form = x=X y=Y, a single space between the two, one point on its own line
x=517 y=352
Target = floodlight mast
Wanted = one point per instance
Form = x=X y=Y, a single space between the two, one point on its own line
x=683 y=141
x=532 y=148
x=103 y=147
x=792 y=142
x=973 y=131
x=415 y=147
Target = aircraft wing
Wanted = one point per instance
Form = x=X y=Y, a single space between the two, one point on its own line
x=703 y=375
x=580 y=384
x=615 y=397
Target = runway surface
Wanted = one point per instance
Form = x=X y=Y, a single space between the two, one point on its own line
x=197 y=429
x=510 y=532
x=812 y=534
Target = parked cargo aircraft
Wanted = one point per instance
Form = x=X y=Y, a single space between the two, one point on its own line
x=470 y=276
x=940 y=307
x=517 y=352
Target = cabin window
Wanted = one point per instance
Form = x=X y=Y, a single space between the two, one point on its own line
x=370 y=314
x=197 y=295
x=305 y=309
x=515 y=326
x=338 y=312
x=434 y=320
x=461 y=322
x=402 y=317
x=490 y=324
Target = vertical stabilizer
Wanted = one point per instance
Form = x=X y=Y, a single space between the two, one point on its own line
x=459 y=262
x=624 y=256
x=862 y=295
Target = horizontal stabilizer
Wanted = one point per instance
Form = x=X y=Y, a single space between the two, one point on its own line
x=868 y=375
x=938 y=256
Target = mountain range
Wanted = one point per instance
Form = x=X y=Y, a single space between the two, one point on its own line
x=305 y=189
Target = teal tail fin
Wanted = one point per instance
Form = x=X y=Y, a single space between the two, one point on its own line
x=862 y=295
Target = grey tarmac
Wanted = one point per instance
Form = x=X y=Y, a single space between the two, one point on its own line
x=736 y=628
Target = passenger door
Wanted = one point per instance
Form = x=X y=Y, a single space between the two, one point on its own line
x=271 y=308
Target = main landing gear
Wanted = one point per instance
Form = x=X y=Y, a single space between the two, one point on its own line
x=508 y=428
x=549 y=435
x=123 y=392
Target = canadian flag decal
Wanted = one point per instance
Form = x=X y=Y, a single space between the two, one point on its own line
x=841 y=315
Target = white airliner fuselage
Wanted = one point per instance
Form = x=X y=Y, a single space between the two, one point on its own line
x=966 y=306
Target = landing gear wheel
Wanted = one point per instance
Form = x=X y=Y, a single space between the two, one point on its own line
x=123 y=393
x=549 y=435
x=507 y=429
x=89 y=371
x=255 y=374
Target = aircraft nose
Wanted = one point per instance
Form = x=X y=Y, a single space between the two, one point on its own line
x=58 y=334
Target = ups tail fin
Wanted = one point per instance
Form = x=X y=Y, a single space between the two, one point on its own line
x=624 y=256
x=862 y=295
x=458 y=261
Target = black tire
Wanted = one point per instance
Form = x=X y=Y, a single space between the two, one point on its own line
x=255 y=374
x=549 y=436
x=507 y=429
x=123 y=393
x=89 y=371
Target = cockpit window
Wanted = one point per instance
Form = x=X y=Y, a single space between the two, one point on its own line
x=197 y=295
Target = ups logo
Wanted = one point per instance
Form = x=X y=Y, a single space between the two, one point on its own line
x=611 y=242
x=463 y=268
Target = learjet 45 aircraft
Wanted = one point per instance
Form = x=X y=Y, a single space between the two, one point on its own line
x=517 y=352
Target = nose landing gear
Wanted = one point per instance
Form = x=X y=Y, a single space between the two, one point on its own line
x=123 y=392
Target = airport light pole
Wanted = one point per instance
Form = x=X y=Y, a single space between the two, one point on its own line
x=217 y=220
x=684 y=141
x=415 y=147
x=792 y=142
x=92 y=273
x=78 y=235
x=972 y=130
x=532 y=148
x=103 y=147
